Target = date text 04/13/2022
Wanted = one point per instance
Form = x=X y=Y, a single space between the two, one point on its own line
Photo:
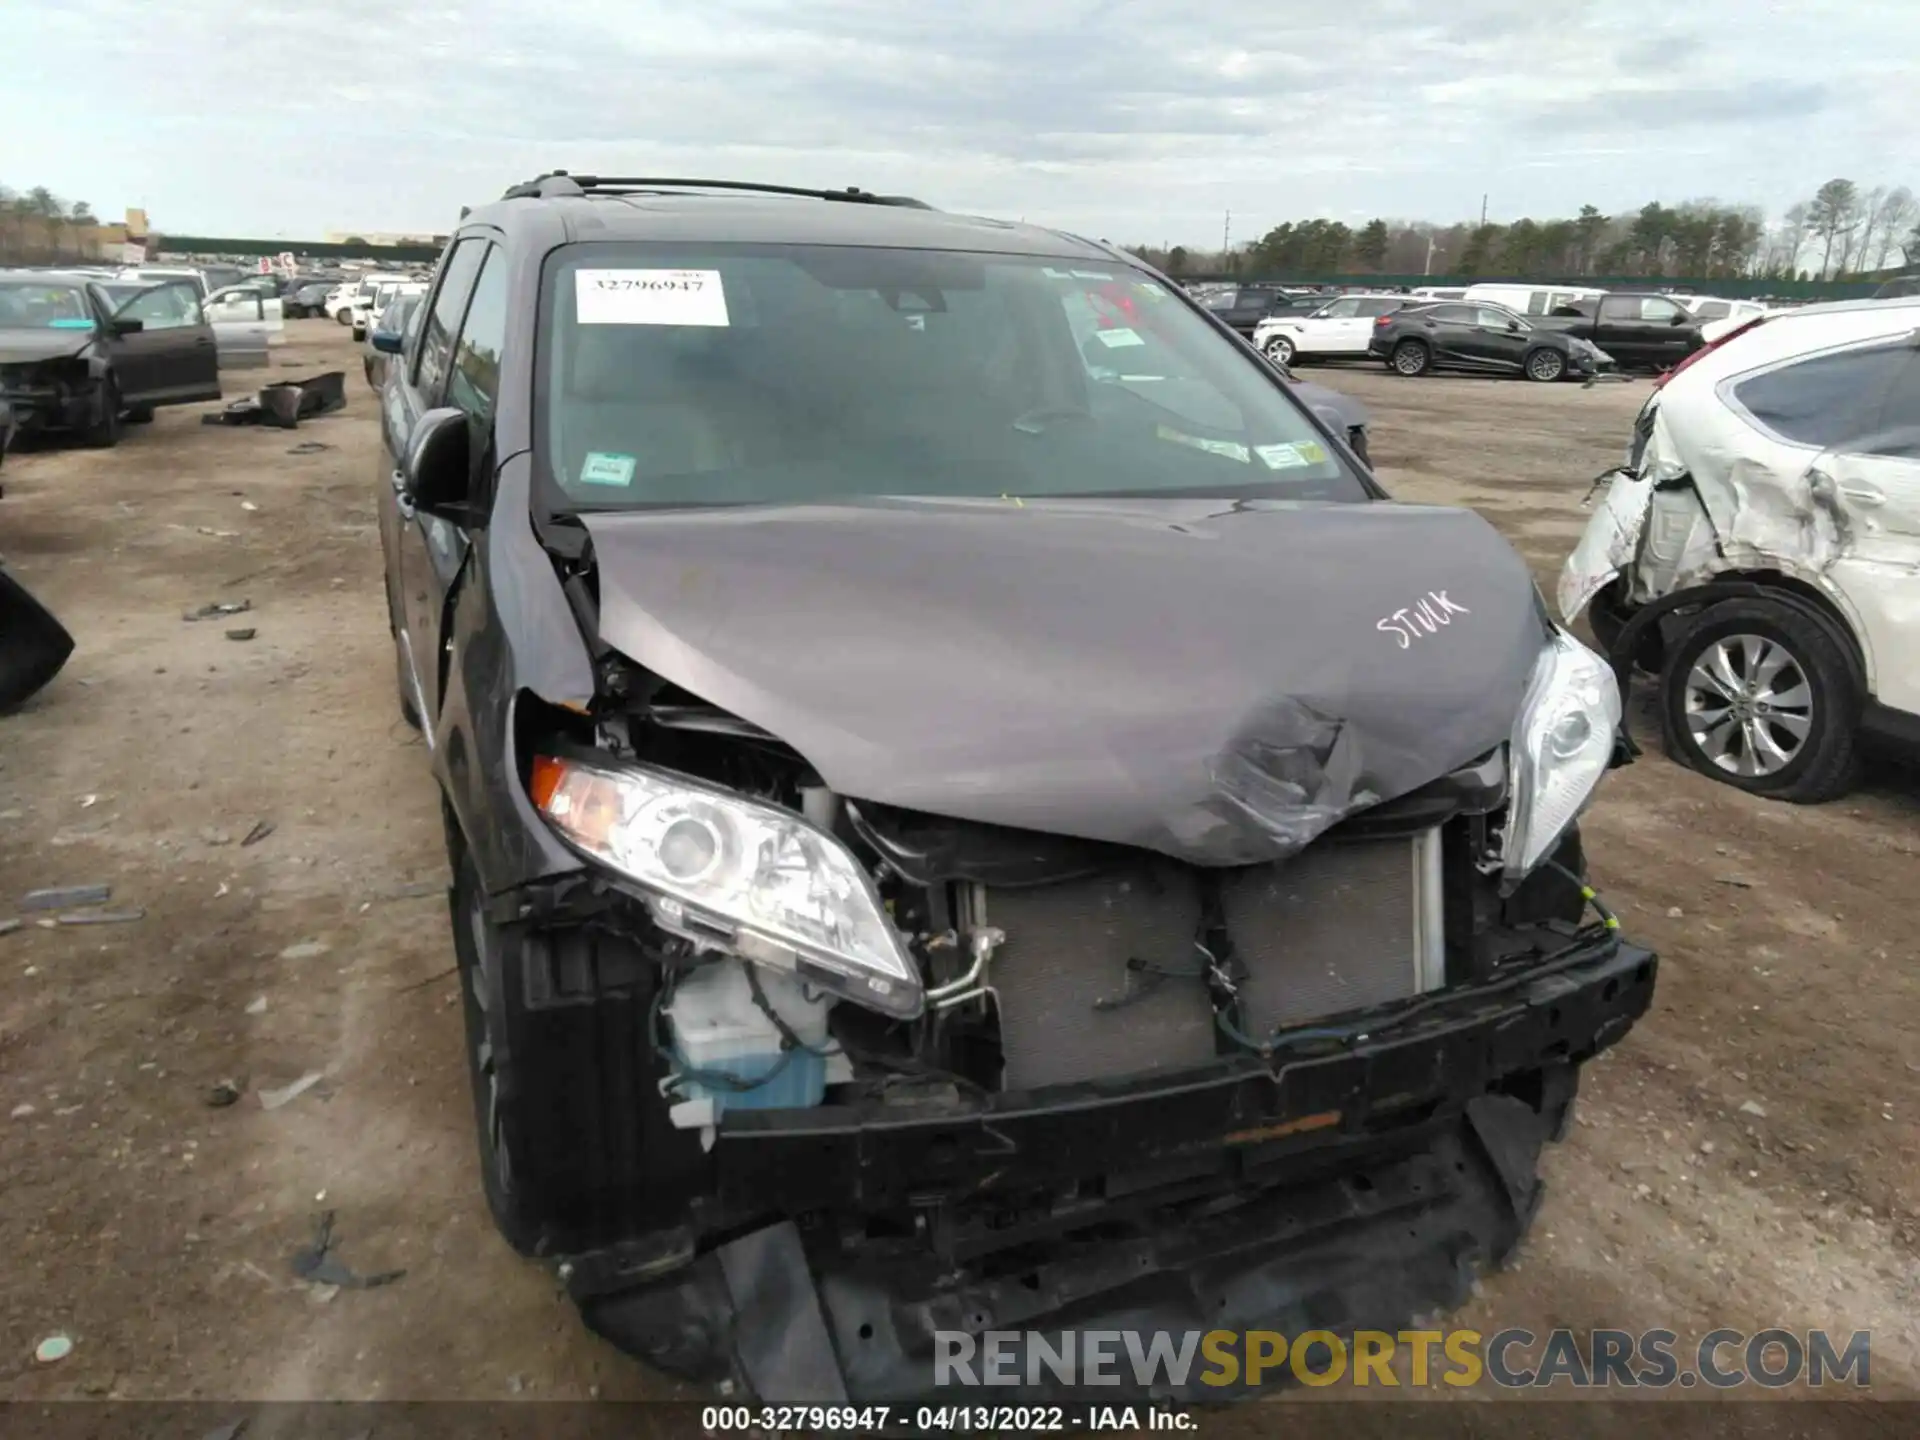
x=956 y=1419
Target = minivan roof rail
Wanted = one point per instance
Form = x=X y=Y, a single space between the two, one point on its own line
x=560 y=183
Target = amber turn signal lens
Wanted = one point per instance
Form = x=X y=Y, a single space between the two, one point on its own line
x=547 y=775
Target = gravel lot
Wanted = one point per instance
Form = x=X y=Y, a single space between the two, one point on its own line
x=1743 y=1160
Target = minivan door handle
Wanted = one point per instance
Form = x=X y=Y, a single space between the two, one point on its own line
x=402 y=502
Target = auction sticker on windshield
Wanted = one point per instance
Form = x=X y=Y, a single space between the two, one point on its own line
x=650 y=297
x=1118 y=338
x=1231 y=449
x=603 y=467
x=1291 y=457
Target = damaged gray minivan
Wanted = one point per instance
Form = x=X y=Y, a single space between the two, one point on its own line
x=969 y=808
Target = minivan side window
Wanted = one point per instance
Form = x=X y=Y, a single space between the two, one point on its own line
x=1826 y=401
x=474 y=383
x=443 y=319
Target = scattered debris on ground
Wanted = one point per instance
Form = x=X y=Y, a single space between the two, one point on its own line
x=103 y=917
x=261 y=829
x=65 y=897
x=285 y=403
x=318 y=1265
x=287 y=1094
x=222 y=1094
x=217 y=608
x=244 y=633
x=53 y=1348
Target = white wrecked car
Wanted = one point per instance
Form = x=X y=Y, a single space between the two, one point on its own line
x=1760 y=549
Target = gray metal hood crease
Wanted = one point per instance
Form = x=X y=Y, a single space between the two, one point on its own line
x=1219 y=681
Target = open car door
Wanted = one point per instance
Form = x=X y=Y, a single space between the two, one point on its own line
x=163 y=348
x=242 y=327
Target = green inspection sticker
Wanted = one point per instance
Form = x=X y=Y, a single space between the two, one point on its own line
x=603 y=467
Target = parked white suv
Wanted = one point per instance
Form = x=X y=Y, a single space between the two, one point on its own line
x=360 y=300
x=1760 y=550
x=367 y=308
x=1719 y=317
x=1342 y=328
x=340 y=300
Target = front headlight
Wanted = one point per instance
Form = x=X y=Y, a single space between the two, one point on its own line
x=752 y=878
x=1562 y=744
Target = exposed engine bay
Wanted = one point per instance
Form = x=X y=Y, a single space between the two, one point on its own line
x=1045 y=960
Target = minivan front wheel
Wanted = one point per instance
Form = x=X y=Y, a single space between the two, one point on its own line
x=1760 y=696
x=484 y=952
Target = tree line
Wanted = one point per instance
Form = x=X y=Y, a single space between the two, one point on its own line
x=37 y=227
x=1842 y=231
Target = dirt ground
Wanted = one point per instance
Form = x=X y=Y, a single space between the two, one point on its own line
x=1742 y=1160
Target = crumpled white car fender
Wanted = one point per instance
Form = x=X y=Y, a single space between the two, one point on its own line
x=1609 y=544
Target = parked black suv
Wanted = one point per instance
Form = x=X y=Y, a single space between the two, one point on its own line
x=966 y=802
x=1243 y=308
x=1462 y=335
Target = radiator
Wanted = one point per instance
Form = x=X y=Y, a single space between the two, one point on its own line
x=1337 y=928
x=1067 y=949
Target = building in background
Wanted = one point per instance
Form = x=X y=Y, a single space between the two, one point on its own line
x=29 y=238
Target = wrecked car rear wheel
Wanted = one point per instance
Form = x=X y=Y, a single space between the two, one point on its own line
x=1760 y=696
x=1411 y=357
x=482 y=951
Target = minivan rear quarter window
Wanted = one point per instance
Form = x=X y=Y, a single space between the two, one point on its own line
x=757 y=374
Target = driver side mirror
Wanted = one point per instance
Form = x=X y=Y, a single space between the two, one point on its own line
x=438 y=463
x=1513 y=326
x=388 y=342
x=123 y=325
x=1681 y=319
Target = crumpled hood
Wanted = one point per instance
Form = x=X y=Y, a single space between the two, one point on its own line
x=28 y=345
x=1220 y=681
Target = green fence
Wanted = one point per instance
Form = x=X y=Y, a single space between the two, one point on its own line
x=1729 y=289
x=311 y=249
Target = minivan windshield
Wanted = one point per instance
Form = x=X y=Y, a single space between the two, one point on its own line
x=752 y=374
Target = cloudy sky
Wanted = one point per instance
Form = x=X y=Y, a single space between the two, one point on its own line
x=1138 y=120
